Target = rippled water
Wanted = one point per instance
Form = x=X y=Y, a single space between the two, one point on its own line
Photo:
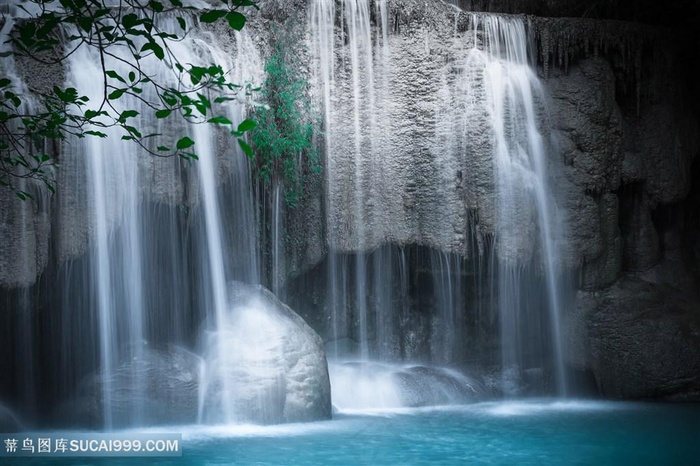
x=525 y=432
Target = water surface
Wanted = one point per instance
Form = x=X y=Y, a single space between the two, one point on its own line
x=520 y=432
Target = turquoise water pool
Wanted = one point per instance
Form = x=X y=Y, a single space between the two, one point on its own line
x=522 y=433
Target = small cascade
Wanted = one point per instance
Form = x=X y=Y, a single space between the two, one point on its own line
x=358 y=71
x=277 y=239
x=449 y=156
x=515 y=101
x=448 y=331
x=124 y=213
x=116 y=269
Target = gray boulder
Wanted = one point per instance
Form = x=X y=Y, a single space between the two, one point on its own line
x=264 y=364
x=431 y=386
x=157 y=387
x=368 y=385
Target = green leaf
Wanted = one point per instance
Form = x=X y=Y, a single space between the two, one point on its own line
x=157 y=49
x=22 y=195
x=246 y=125
x=132 y=130
x=163 y=113
x=130 y=20
x=4 y=82
x=220 y=120
x=246 y=148
x=102 y=12
x=156 y=6
x=204 y=101
x=169 y=98
x=236 y=20
x=132 y=76
x=90 y=114
x=219 y=100
x=13 y=98
x=240 y=3
x=67 y=96
x=85 y=23
x=213 y=15
x=115 y=94
x=163 y=148
x=182 y=23
x=184 y=143
x=127 y=114
x=96 y=133
x=113 y=74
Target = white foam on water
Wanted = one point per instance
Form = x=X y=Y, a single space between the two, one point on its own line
x=544 y=407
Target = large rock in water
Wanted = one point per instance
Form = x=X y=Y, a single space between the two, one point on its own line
x=264 y=363
x=368 y=385
x=639 y=339
x=156 y=387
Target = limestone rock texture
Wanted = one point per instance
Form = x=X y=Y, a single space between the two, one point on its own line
x=641 y=340
x=629 y=148
x=265 y=364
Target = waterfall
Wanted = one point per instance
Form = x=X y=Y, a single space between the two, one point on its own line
x=442 y=227
x=277 y=239
x=126 y=206
x=115 y=259
x=358 y=66
x=519 y=156
x=448 y=155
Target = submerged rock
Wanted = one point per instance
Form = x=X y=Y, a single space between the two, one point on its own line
x=157 y=387
x=264 y=363
x=366 y=385
x=430 y=386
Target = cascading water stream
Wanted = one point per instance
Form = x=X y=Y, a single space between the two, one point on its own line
x=519 y=161
x=322 y=23
x=492 y=100
x=277 y=239
x=403 y=234
x=357 y=17
x=119 y=263
x=114 y=204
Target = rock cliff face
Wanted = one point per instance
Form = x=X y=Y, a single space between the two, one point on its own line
x=623 y=137
x=628 y=175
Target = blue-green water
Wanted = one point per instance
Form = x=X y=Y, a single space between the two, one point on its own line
x=521 y=433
